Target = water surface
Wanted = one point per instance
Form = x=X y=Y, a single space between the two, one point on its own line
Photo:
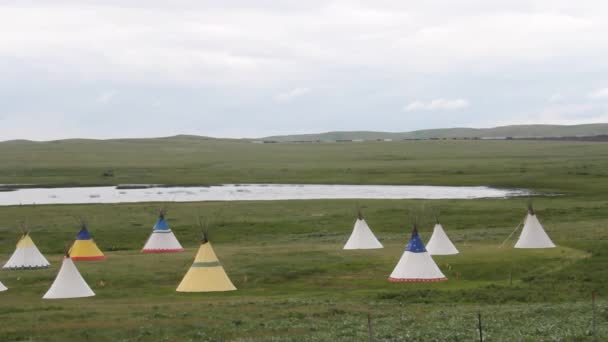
x=248 y=192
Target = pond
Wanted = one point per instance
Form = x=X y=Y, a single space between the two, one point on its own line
x=246 y=192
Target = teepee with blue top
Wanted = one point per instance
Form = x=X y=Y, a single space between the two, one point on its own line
x=84 y=247
x=416 y=264
x=162 y=239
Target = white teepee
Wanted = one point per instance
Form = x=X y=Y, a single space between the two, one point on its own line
x=533 y=234
x=26 y=255
x=68 y=283
x=416 y=264
x=162 y=239
x=362 y=236
x=440 y=243
x=2 y=287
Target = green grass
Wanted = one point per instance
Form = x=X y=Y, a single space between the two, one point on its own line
x=294 y=281
x=544 y=166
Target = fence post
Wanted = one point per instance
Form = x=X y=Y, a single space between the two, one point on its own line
x=369 y=327
x=593 y=294
x=479 y=326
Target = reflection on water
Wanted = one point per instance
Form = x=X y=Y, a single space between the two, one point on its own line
x=248 y=192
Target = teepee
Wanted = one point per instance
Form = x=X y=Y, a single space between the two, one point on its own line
x=162 y=239
x=2 y=287
x=206 y=273
x=362 y=236
x=26 y=255
x=416 y=264
x=440 y=243
x=68 y=283
x=84 y=248
x=533 y=234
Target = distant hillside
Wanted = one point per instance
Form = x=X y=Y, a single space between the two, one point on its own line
x=515 y=131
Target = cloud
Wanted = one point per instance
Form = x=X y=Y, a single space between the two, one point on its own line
x=291 y=94
x=560 y=114
x=106 y=96
x=557 y=97
x=437 y=104
x=599 y=93
x=224 y=67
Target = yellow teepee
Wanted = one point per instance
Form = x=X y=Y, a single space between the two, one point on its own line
x=206 y=273
x=84 y=248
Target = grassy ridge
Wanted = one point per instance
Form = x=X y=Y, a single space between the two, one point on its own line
x=503 y=131
x=295 y=283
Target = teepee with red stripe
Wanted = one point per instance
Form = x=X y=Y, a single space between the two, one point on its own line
x=416 y=264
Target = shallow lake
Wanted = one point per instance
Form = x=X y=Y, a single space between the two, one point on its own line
x=248 y=192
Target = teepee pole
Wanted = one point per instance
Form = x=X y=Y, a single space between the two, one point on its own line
x=513 y=232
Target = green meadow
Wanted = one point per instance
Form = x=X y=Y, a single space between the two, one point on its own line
x=295 y=283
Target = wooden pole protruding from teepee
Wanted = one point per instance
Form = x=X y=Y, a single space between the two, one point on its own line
x=204 y=229
x=66 y=250
x=359 y=213
x=24 y=228
x=530 y=208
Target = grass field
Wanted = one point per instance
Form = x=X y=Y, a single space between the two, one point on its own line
x=295 y=283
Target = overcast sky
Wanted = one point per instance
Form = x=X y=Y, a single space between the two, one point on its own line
x=245 y=68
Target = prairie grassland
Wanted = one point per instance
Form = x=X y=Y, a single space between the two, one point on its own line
x=295 y=283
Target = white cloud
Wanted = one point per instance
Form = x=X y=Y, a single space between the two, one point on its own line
x=437 y=104
x=599 y=93
x=562 y=114
x=106 y=96
x=557 y=97
x=291 y=94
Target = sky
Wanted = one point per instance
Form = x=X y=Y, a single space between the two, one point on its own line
x=245 y=68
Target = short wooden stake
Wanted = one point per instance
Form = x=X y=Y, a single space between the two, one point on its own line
x=369 y=327
x=593 y=294
x=479 y=326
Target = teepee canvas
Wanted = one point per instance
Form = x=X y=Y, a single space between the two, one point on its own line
x=84 y=248
x=68 y=283
x=416 y=264
x=533 y=234
x=162 y=239
x=362 y=236
x=26 y=255
x=440 y=243
x=2 y=287
x=206 y=273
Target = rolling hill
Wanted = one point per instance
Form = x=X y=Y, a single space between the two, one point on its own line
x=516 y=131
